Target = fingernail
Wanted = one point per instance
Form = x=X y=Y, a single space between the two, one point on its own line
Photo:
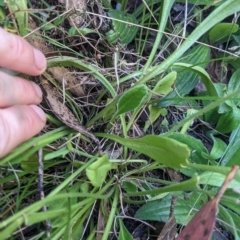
x=37 y=90
x=40 y=60
x=39 y=112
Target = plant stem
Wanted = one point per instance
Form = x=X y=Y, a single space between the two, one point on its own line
x=112 y=215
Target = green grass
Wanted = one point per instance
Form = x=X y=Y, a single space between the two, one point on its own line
x=140 y=70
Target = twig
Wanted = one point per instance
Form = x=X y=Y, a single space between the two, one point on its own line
x=40 y=188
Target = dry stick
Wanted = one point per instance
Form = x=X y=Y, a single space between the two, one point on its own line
x=40 y=189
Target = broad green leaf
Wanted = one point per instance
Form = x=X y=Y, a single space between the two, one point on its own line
x=230 y=220
x=218 y=149
x=97 y=171
x=131 y=99
x=216 y=179
x=234 y=84
x=231 y=200
x=188 y=71
x=222 y=92
x=159 y=210
x=164 y=86
x=123 y=233
x=205 y=78
x=196 y=147
x=129 y=187
x=232 y=153
x=19 y=7
x=229 y=121
x=221 y=31
x=164 y=150
x=123 y=30
x=2 y=3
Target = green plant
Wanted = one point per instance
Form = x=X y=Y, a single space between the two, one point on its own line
x=128 y=89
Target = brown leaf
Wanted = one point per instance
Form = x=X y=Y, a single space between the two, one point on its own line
x=201 y=226
x=169 y=230
x=58 y=73
x=62 y=112
x=62 y=74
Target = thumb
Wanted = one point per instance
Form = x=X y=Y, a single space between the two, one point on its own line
x=18 y=124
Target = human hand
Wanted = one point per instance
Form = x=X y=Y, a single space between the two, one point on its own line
x=20 y=118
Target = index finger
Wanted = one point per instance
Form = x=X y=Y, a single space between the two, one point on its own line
x=17 y=54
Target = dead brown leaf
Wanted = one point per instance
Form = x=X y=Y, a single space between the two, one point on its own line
x=62 y=112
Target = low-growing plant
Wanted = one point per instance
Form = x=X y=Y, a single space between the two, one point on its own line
x=147 y=114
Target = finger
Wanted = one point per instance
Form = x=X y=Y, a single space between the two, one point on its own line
x=18 y=91
x=18 y=124
x=17 y=54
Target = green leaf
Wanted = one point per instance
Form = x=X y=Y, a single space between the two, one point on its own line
x=97 y=171
x=164 y=150
x=19 y=7
x=47 y=27
x=221 y=31
x=230 y=220
x=222 y=92
x=196 y=147
x=131 y=99
x=84 y=31
x=123 y=30
x=188 y=75
x=159 y=210
x=231 y=200
x=129 y=187
x=218 y=149
x=232 y=153
x=229 y=121
x=234 y=84
x=205 y=78
x=191 y=184
x=216 y=179
x=124 y=234
x=2 y=3
x=164 y=86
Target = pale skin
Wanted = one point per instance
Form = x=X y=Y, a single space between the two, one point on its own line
x=20 y=117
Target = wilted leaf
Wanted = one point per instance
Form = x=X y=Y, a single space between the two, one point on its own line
x=201 y=226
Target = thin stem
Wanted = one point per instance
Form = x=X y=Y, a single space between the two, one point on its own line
x=112 y=215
